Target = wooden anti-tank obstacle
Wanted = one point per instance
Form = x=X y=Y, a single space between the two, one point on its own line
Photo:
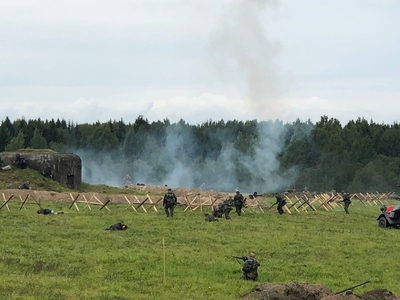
x=92 y=200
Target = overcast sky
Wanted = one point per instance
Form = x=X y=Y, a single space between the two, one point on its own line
x=89 y=61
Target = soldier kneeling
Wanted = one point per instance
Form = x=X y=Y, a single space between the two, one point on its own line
x=118 y=226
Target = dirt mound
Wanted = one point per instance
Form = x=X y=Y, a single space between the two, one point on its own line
x=308 y=291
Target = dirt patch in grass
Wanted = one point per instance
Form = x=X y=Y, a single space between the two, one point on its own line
x=309 y=291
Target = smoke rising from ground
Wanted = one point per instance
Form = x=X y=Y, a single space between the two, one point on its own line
x=181 y=161
x=239 y=45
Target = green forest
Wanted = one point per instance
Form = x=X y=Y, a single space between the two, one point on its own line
x=262 y=156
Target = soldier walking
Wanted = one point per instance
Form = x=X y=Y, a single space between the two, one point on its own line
x=346 y=201
x=281 y=203
x=169 y=203
x=239 y=202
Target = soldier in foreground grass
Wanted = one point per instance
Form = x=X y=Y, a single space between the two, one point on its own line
x=169 y=203
x=250 y=267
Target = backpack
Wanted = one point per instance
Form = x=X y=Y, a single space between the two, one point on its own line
x=248 y=266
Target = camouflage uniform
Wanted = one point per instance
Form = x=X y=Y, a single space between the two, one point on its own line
x=239 y=202
x=169 y=203
x=250 y=268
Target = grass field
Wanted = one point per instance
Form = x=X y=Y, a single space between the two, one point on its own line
x=72 y=256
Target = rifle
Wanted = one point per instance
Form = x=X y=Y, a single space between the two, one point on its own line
x=244 y=258
x=352 y=287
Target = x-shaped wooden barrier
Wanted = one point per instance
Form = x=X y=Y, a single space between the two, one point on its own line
x=96 y=202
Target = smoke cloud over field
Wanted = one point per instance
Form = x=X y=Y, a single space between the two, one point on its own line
x=181 y=161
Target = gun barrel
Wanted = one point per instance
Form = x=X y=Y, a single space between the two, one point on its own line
x=352 y=287
x=240 y=257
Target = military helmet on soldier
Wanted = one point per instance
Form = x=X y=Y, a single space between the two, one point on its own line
x=252 y=255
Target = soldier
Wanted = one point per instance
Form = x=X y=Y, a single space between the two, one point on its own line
x=224 y=208
x=118 y=226
x=47 y=172
x=20 y=161
x=239 y=202
x=47 y=211
x=24 y=186
x=281 y=203
x=250 y=268
x=169 y=203
x=346 y=201
x=210 y=218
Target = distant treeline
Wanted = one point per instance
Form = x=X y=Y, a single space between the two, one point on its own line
x=360 y=156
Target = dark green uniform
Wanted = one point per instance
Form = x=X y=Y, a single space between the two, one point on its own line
x=239 y=202
x=210 y=218
x=347 y=202
x=224 y=208
x=281 y=203
x=169 y=203
x=250 y=269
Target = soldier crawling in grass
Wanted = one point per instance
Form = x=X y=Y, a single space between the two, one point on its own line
x=117 y=226
x=210 y=218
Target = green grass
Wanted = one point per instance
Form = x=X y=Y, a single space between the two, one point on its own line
x=72 y=256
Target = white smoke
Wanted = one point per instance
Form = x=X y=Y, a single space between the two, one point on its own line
x=240 y=46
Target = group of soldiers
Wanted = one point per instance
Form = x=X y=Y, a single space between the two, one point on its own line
x=223 y=209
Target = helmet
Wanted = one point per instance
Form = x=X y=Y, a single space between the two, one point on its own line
x=349 y=292
x=237 y=192
x=169 y=190
x=252 y=255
